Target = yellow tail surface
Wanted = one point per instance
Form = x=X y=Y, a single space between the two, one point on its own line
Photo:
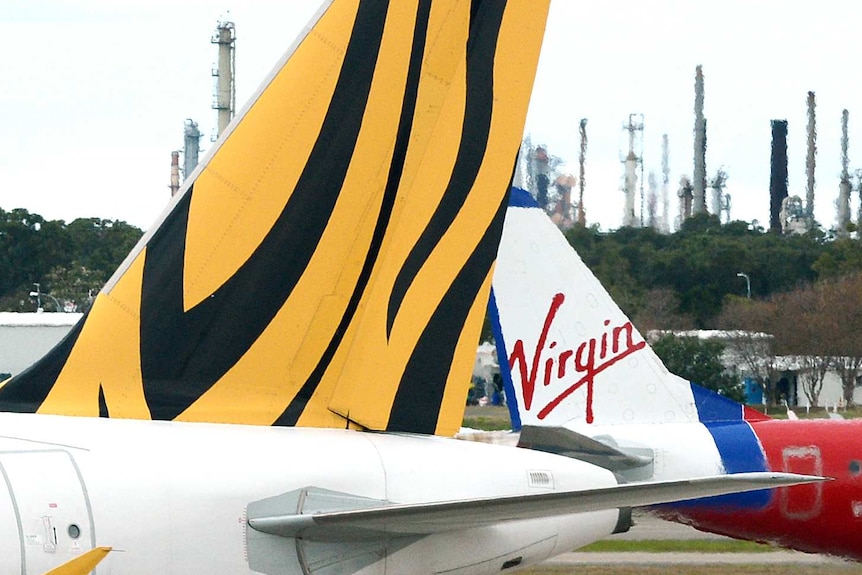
x=329 y=264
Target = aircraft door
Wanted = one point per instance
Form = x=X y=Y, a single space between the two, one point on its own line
x=11 y=539
x=54 y=521
x=802 y=502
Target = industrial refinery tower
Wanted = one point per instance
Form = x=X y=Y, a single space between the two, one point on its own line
x=225 y=91
x=192 y=141
x=810 y=159
x=582 y=157
x=224 y=102
x=633 y=161
x=843 y=204
x=699 y=181
x=777 y=173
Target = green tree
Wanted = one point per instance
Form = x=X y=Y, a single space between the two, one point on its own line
x=699 y=361
x=70 y=262
x=839 y=258
x=76 y=284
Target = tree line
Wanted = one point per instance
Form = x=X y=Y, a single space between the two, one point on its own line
x=70 y=262
x=805 y=302
x=816 y=327
x=683 y=280
x=806 y=290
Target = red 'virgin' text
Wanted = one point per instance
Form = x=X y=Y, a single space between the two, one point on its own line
x=586 y=360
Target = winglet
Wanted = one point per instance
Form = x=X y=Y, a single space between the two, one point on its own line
x=82 y=564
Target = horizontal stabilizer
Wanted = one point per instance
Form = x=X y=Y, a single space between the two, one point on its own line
x=563 y=441
x=428 y=518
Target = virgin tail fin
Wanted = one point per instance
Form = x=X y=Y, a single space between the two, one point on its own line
x=568 y=354
x=329 y=262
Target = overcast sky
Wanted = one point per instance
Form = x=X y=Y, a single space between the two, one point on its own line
x=94 y=93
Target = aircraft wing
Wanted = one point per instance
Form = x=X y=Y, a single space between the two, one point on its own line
x=426 y=518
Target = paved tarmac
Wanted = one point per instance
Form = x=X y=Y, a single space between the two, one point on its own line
x=647 y=527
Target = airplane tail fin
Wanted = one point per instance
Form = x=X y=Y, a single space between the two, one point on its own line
x=569 y=354
x=328 y=263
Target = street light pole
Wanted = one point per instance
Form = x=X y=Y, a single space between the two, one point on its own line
x=747 y=284
x=37 y=295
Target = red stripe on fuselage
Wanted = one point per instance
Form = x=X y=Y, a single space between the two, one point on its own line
x=820 y=518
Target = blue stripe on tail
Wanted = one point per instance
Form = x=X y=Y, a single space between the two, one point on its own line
x=714 y=407
x=519 y=198
x=503 y=359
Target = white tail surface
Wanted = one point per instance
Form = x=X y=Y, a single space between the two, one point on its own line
x=573 y=356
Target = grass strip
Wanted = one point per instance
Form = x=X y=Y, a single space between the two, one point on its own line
x=681 y=546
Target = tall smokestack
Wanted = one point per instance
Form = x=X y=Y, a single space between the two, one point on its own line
x=192 y=141
x=809 y=161
x=719 y=199
x=633 y=160
x=175 y=173
x=225 y=96
x=699 y=183
x=582 y=212
x=665 y=183
x=684 y=194
x=843 y=204
x=631 y=182
x=541 y=175
x=652 y=201
x=778 y=174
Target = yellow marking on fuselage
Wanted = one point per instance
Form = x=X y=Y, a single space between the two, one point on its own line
x=82 y=564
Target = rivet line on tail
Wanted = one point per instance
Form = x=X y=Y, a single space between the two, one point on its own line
x=481 y=50
x=297 y=405
x=199 y=346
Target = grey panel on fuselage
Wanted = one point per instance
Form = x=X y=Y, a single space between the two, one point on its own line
x=275 y=555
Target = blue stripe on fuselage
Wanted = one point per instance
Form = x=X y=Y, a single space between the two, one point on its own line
x=737 y=445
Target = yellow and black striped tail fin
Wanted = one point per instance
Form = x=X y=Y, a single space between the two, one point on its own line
x=330 y=262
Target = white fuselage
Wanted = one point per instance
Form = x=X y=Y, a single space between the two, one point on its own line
x=172 y=498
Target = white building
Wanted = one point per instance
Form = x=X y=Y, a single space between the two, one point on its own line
x=25 y=337
x=788 y=367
